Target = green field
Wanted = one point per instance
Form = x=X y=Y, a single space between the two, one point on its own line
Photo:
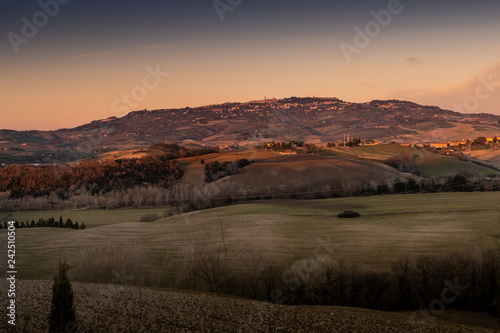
x=428 y=163
x=279 y=232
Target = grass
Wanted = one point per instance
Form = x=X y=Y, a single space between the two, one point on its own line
x=281 y=231
x=91 y=218
x=428 y=163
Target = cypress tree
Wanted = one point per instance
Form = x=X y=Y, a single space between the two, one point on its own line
x=62 y=309
x=61 y=223
x=76 y=226
x=69 y=223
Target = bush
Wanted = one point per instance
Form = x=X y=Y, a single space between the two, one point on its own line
x=404 y=163
x=150 y=217
x=348 y=215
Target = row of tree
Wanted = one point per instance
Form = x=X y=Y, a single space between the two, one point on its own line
x=172 y=151
x=50 y=223
x=290 y=145
x=465 y=280
x=95 y=176
x=188 y=197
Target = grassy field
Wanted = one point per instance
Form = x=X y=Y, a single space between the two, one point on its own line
x=490 y=156
x=428 y=163
x=91 y=218
x=280 y=232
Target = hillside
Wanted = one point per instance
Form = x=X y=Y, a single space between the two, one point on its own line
x=282 y=231
x=114 y=308
x=309 y=173
x=427 y=163
x=315 y=120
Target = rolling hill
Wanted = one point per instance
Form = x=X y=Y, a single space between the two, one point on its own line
x=315 y=120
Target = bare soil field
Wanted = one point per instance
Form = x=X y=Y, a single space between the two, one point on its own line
x=114 y=308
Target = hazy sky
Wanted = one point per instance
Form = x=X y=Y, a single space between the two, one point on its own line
x=86 y=59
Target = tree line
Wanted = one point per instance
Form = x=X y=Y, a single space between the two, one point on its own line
x=51 y=222
x=96 y=176
x=282 y=145
x=465 y=280
x=172 y=151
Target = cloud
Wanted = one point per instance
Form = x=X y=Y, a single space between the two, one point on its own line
x=367 y=84
x=478 y=93
x=151 y=47
x=415 y=61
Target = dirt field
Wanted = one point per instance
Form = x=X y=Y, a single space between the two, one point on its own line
x=113 y=308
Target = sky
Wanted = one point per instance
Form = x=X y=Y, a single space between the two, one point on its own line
x=64 y=63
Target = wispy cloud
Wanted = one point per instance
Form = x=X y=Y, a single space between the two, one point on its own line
x=449 y=97
x=415 y=61
x=151 y=47
x=367 y=84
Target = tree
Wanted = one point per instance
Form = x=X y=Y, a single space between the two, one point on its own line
x=62 y=309
x=403 y=270
x=481 y=141
x=69 y=223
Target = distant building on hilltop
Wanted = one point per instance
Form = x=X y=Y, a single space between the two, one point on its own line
x=439 y=145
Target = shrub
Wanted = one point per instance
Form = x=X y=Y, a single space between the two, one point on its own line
x=404 y=163
x=348 y=215
x=150 y=217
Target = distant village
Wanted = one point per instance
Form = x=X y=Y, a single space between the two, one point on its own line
x=295 y=147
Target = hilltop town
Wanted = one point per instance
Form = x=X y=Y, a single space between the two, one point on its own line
x=244 y=125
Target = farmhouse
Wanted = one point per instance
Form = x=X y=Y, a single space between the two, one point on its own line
x=288 y=152
x=457 y=143
x=439 y=145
